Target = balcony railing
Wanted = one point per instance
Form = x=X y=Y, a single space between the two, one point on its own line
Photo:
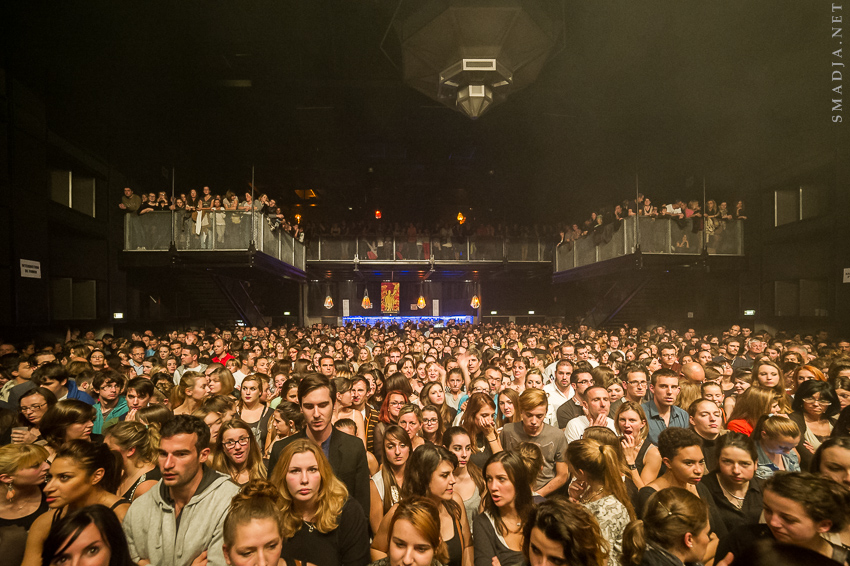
x=657 y=236
x=216 y=231
x=403 y=249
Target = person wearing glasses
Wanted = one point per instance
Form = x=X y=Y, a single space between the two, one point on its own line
x=814 y=408
x=33 y=404
x=635 y=385
x=237 y=453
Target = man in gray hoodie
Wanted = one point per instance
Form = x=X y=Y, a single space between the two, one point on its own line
x=182 y=516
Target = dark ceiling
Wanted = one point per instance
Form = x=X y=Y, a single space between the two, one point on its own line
x=672 y=90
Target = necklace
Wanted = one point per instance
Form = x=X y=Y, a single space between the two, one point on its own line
x=739 y=501
x=593 y=495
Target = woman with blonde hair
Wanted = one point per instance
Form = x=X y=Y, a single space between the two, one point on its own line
x=776 y=436
x=252 y=410
x=237 y=453
x=138 y=445
x=752 y=405
x=600 y=488
x=187 y=397
x=321 y=523
x=23 y=469
x=642 y=457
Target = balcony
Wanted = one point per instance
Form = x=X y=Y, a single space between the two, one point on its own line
x=423 y=249
x=227 y=231
x=653 y=237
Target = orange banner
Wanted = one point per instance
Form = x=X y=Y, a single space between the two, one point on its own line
x=390 y=297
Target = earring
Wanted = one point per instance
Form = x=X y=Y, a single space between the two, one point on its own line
x=10 y=492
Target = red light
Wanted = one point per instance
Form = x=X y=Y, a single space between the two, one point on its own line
x=378 y=214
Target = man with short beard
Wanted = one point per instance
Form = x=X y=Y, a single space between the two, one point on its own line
x=181 y=518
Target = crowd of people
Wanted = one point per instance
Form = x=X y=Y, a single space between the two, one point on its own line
x=201 y=213
x=414 y=445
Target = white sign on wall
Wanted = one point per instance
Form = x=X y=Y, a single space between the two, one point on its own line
x=31 y=268
x=847 y=274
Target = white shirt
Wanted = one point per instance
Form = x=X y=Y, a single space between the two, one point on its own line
x=239 y=376
x=556 y=399
x=576 y=427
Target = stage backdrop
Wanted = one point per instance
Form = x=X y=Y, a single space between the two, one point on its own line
x=390 y=297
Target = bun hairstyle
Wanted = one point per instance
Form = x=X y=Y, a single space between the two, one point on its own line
x=92 y=457
x=133 y=434
x=668 y=516
x=258 y=499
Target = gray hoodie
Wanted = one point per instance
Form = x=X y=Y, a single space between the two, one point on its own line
x=154 y=533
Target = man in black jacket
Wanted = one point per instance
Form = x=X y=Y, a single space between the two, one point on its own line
x=346 y=453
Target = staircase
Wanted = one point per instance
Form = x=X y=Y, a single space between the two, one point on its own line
x=221 y=300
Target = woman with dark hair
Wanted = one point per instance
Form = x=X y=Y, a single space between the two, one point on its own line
x=82 y=474
x=734 y=489
x=434 y=394
x=469 y=481
x=498 y=529
x=68 y=420
x=559 y=531
x=388 y=414
x=674 y=530
x=432 y=425
x=287 y=419
x=385 y=485
x=479 y=421
x=91 y=535
x=841 y=385
x=33 y=404
x=599 y=487
x=799 y=509
x=508 y=403
x=814 y=408
x=237 y=453
x=832 y=460
x=429 y=473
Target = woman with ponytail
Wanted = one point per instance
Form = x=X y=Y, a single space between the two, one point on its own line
x=599 y=487
x=82 y=474
x=674 y=531
x=137 y=444
x=253 y=525
x=559 y=531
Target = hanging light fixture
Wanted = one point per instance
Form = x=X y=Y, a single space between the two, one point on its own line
x=366 y=303
x=476 y=302
x=461 y=218
x=377 y=215
x=298 y=219
x=329 y=302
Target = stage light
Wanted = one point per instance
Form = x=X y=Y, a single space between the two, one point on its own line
x=366 y=303
x=476 y=302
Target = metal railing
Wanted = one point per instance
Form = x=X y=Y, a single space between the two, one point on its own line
x=211 y=231
x=657 y=236
x=403 y=249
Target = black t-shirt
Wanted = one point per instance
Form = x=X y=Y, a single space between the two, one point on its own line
x=347 y=545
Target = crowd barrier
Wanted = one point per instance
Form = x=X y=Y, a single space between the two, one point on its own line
x=659 y=236
x=211 y=231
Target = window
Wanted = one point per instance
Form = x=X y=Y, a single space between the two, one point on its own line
x=799 y=203
x=74 y=191
x=801 y=297
x=73 y=299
